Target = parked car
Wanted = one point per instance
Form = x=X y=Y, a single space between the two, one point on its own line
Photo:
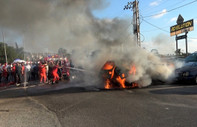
x=187 y=73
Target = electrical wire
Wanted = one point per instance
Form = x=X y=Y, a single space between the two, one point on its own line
x=159 y=27
x=147 y=9
x=170 y=9
x=155 y=26
x=167 y=7
x=155 y=29
x=143 y=37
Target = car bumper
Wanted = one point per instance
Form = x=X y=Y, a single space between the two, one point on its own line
x=186 y=78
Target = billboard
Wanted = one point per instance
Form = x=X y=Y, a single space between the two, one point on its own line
x=181 y=28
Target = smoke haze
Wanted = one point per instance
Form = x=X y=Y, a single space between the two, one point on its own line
x=161 y=41
x=53 y=24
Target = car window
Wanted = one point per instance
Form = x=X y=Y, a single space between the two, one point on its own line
x=191 y=58
x=194 y=64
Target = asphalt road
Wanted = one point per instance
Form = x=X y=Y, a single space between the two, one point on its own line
x=76 y=106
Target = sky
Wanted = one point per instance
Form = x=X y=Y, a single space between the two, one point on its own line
x=150 y=35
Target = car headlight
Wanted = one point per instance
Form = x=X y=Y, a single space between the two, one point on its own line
x=186 y=74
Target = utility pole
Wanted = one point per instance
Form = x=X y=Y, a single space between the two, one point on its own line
x=25 y=75
x=136 y=19
x=6 y=59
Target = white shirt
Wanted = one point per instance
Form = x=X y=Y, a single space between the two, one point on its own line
x=28 y=67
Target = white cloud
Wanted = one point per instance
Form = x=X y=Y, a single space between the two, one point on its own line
x=173 y=19
x=162 y=13
x=155 y=3
x=195 y=21
x=193 y=40
x=192 y=44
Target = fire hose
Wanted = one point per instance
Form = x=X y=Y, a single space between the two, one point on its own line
x=77 y=69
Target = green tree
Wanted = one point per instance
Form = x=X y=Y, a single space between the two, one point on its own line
x=12 y=53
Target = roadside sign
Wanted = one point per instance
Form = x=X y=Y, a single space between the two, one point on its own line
x=180 y=19
x=181 y=37
x=182 y=28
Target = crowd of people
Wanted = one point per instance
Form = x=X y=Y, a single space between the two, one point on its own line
x=24 y=72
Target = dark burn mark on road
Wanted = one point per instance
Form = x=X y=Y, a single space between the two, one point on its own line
x=4 y=110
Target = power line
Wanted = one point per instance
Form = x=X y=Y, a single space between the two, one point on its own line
x=167 y=7
x=155 y=29
x=143 y=37
x=170 y=9
x=142 y=18
x=155 y=26
x=147 y=9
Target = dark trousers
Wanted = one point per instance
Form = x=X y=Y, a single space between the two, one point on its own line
x=18 y=77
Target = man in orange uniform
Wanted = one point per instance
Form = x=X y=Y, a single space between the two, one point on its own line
x=42 y=71
x=55 y=74
x=14 y=72
x=23 y=72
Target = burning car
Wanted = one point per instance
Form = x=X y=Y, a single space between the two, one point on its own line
x=113 y=77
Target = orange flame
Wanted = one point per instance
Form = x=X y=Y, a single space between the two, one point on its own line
x=121 y=81
x=132 y=70
x=134 y=85
x=107 y=84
